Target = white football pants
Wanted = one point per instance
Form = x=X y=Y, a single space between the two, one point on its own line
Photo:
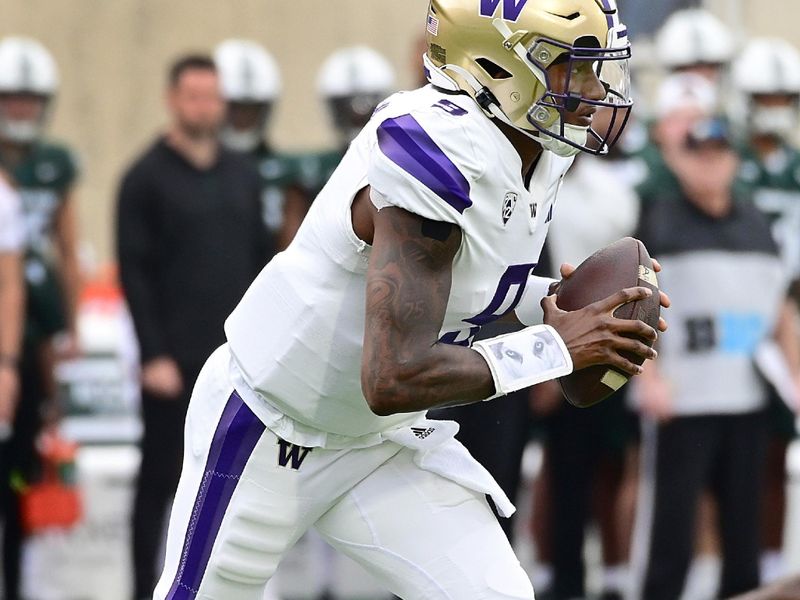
x=245 y=497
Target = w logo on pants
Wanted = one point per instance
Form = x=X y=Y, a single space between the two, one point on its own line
x=290 y=452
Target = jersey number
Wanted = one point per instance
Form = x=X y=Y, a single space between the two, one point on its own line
x=508 y=294
x=450 y=107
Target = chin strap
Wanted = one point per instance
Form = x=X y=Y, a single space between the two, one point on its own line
x=575 y=134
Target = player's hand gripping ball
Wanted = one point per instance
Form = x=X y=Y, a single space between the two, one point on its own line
x=624 y=264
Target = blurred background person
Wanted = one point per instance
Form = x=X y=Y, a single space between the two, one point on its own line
x=12 y=319
x=767 y=74
x=681 y=99
x=251 y=86
x=693 y=49
x=351 y=83
x=704 y=401
x=12 y=307
x=44 y=174
x=190 y=239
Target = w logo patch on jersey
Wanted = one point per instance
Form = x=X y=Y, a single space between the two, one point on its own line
x=511 y=8
x=509 y=203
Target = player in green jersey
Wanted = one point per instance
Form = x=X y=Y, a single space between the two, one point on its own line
x=767 y=74
x=251 y=85
x=352 y=82
x=44 y=174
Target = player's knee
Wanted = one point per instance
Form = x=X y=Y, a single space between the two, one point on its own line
x=251 y=548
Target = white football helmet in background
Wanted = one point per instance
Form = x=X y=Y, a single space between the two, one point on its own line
x=693 y=37
x=251 y=83
x=352 y=81
x=767 y=73
x=28 y=82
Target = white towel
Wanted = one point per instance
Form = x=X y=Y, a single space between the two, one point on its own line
x=437 y=451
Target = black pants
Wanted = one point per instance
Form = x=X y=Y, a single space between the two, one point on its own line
x=722 y=453
x=577 y=440
x=162 y=457
x=18 y=458
x=495 y=433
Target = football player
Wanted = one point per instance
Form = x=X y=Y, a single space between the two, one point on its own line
x=313 y=414
x=351 y=82
x=251 y=86
x=767 y=73
x=44 y=173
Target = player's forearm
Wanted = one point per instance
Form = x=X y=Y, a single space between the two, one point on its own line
x=445 y=375
x=68 y=250
x=12 y=305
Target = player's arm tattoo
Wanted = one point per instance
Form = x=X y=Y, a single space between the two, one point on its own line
x=404 y=368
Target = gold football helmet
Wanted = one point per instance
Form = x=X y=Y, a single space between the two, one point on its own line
x=529 y=64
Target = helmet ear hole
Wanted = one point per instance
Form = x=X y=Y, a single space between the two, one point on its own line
x=587 y=41
x=492 y=69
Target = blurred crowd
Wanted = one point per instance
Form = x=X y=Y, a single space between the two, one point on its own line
x=679 y=478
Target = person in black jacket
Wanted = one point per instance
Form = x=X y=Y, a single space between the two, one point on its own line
x=190 y=241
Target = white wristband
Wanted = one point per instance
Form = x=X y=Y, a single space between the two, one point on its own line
x=529 y=310
x=524 y=358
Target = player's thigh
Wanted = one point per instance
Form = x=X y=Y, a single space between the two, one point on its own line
x=425 y=537
x=235 y=513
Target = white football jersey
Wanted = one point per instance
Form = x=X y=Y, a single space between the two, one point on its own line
x=297 y=335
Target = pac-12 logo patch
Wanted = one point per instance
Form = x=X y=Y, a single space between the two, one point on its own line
x=509 y=203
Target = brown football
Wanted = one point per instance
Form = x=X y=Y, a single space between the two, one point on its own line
x=623 y=264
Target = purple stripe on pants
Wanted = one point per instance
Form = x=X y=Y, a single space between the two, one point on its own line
x=236 y=436
x=404 y=141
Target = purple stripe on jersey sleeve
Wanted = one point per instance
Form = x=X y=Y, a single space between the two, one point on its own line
x=404 y=141
x=237 y=434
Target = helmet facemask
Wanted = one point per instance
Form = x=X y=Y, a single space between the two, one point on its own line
x=774 y=114
x=585 y=63
x=23 y=129
x=550 y=115
x=352 y=112
x=245 y=124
